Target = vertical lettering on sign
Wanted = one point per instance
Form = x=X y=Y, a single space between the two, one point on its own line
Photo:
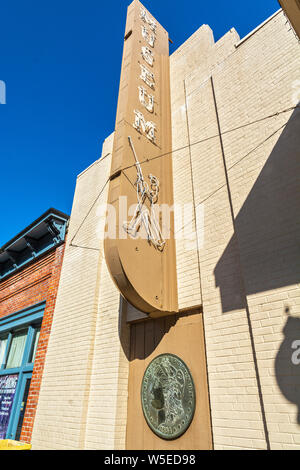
x=147 y=55
x=148 y=36
x=144 y=97
x=141 y=125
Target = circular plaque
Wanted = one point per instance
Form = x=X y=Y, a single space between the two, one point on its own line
x=168 y=396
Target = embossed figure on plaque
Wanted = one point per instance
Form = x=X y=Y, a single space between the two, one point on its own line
x=168 y=396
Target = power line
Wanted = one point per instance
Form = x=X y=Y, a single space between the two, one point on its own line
x=86 y=216
x=222 y=186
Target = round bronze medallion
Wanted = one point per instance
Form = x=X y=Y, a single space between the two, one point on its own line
x=168 y=396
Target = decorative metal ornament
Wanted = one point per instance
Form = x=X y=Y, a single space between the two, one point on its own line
x=147 y=55
x=147 y=76
x=141 y=125
x=143 y=96
x=145 y=17
x=150 y=38
x=168 y=396
x=142 y=215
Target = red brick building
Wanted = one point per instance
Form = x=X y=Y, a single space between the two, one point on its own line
x=30 y=266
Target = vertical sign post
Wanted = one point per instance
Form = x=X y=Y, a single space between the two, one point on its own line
x=141 y=255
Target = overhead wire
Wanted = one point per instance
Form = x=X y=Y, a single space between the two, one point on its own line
x=147 y=160
x=213 y=137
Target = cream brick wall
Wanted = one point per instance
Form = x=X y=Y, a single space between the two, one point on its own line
x=249 y=224
x=85 y=377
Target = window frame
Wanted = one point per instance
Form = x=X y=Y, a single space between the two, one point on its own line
x=30 y=318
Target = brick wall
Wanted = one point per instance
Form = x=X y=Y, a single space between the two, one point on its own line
x=36 y=283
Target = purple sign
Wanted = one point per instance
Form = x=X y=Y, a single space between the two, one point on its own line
x=8 y=385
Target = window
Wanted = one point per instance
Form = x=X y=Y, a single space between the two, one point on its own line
x=36 y=340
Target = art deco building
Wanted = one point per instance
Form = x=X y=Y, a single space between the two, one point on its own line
x=226 y=281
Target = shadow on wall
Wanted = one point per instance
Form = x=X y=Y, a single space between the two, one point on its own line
x=267 y=228
x=145 y=336
x=287 y=363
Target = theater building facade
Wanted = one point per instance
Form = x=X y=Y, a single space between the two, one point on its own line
x=30 y=266
x=187 y=337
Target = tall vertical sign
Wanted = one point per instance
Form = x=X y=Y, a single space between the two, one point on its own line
x=141 y=253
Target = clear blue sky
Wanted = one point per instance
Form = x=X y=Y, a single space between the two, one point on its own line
x=61 y=60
